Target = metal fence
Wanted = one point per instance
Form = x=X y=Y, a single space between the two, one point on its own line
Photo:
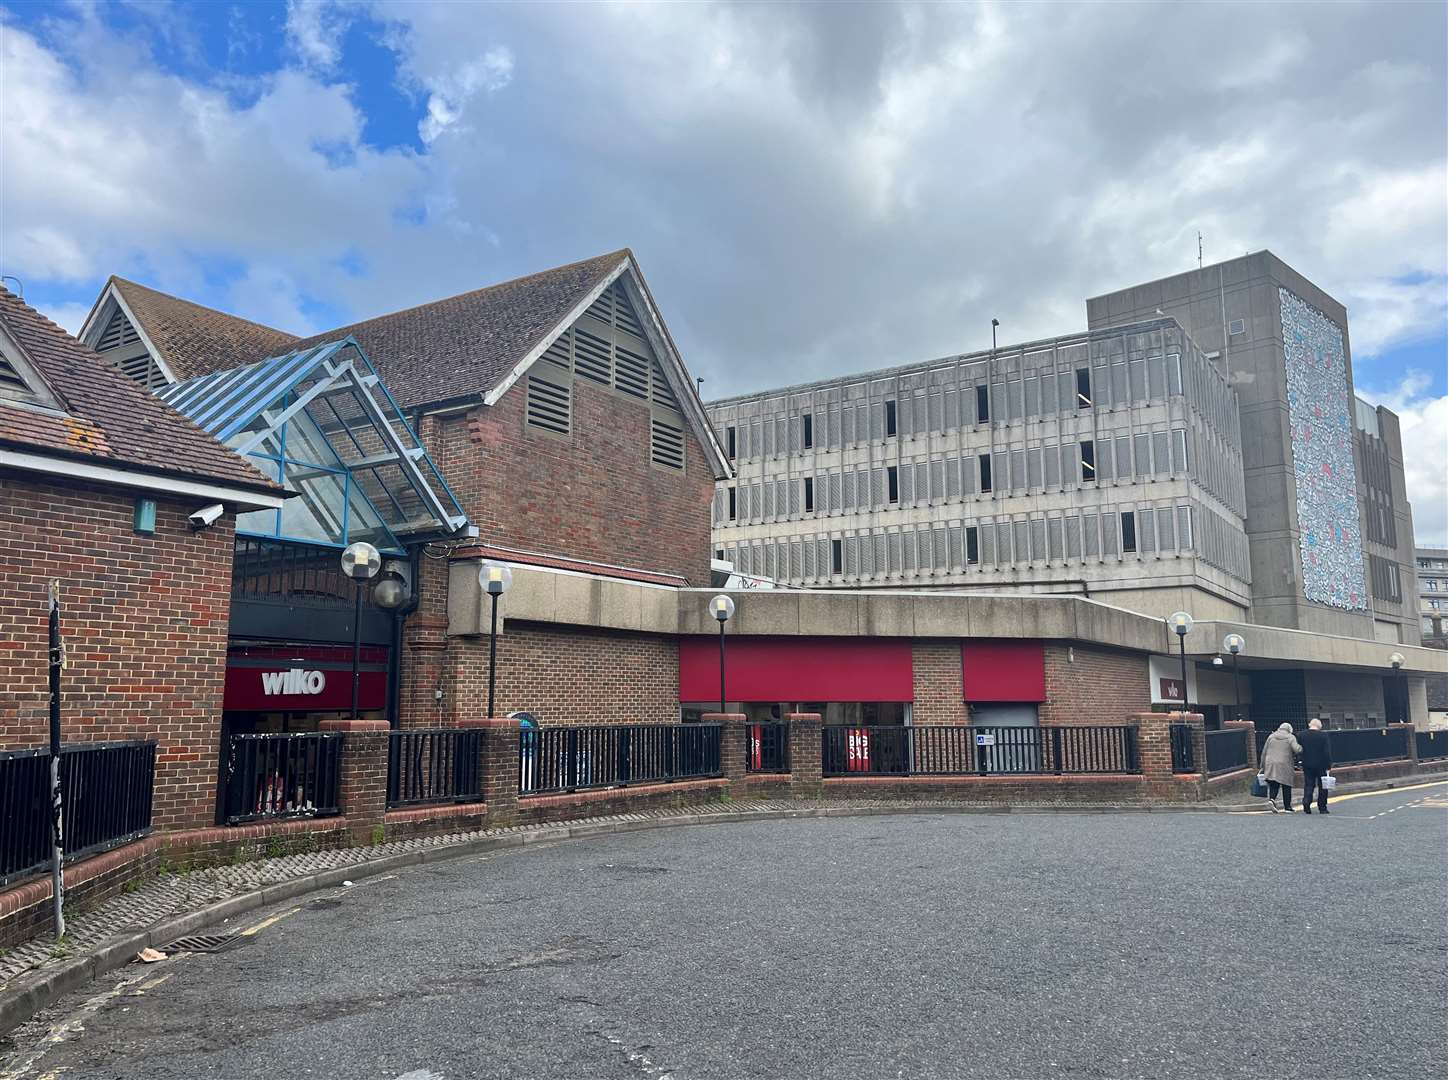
x=768 y=749
x=954 y=750
x=1183 y=752
x=1431 y=744
x=577 y=758
x=279 y=776
x=1227 y=749
x=434 y=765
x=106 y=790
x=1350 y=746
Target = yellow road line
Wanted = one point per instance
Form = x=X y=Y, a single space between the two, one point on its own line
x=252 y=931
x=151 y=984
x=1387 y=791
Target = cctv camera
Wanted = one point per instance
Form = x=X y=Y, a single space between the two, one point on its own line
x=207 y=515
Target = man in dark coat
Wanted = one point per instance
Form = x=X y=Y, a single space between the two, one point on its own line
x=1316 y=760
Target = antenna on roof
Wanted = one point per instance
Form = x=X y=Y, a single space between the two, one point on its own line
x=1199 y=249
x=700 y=380
x=19 y=285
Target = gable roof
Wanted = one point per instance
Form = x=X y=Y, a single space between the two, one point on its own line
x=470 y=347
x=188 y=339
x=106 y=419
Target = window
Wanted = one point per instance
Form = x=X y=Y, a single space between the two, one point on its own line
x=837 y=557
x=1088 y=460
x=1083 y=388
x=1236 y=326
x=808 y=443
x=892 y=479
x=889 y=418
x=549 y=405
x=985 y=485
x=1128 y=532
x=1433 y=604
x=719 y=554
x=733 y=503
x=809 y=494
x=982 y=404
x=1432 y=584
x=731 y=438
x=972 y=545
x=1428 y=625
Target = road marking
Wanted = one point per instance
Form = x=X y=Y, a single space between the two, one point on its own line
x=252 y=931
x=1388 y=791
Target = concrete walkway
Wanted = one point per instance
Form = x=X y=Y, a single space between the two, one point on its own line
x=174 y=904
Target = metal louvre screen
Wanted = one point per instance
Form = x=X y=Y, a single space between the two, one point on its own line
x=667 y=445
x=549 y=405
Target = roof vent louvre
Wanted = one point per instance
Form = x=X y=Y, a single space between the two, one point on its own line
x=667 y=445
x=549 y=405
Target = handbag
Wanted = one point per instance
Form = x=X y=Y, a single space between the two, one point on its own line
x=1259 y=786
x=1328 y=781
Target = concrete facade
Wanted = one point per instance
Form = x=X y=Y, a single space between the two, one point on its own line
x=1087 y=464
x=1235 y=312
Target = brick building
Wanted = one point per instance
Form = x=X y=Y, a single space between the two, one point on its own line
x=97 y=482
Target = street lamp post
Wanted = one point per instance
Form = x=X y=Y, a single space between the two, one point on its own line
x=1234 y=644
x=495 y=578
x=722 y=608
x=1181 y=622
x=360 y=562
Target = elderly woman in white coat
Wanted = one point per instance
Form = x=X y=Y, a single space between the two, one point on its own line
x=1277 y=768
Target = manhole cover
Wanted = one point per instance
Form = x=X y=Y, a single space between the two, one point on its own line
x=204 y=943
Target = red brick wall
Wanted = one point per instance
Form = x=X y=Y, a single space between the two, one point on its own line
x=1087 y=684
x=939 y=695
x=144 y=620
x=566 y=674
x=593 y=495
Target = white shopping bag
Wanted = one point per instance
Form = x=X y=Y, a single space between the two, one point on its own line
x=1328 y=781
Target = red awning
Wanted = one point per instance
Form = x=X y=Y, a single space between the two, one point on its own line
x=797 y=669
x=993 y=669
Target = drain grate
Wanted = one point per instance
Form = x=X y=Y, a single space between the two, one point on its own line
x=204 y=943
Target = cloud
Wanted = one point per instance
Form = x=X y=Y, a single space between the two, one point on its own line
x=809 y=194
x=1423 y=418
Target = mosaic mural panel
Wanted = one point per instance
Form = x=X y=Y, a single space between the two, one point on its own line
x=1320 y=411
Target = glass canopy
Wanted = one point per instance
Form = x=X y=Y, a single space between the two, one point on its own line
x=320 y=423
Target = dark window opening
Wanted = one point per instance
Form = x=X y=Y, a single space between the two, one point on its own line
x=1128 y=532
x=892 y=475
x=1088 y=460
x=719 y=554
x=808 y=431
x=889 y=418
x=729 y=434
x=982 y=404
x=972 y=545
x=837 y=557
x=984 y=474
x=733 y=503
x=1083 y=388
x=809 y=494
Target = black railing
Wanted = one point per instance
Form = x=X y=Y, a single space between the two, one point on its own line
x=434 y=765
x=955 y=750
x=1432 y=744
x=1183 y=753
x=279 y=776
x=768 y=748
x=106 y=790
x=1353 y=745
x=1227 y=749
x=576 y=758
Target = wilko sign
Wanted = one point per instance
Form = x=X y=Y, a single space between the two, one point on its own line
x=1166 y=681
x=302 y=678
x=294 y=681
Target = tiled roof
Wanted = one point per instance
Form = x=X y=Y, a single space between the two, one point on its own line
x=559 y=562
x=107 y=417
x=195 y=340
x=468 y=344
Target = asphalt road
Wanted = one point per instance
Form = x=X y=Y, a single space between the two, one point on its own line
x=1082 y=946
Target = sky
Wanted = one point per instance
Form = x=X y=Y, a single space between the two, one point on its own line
x=810 y=189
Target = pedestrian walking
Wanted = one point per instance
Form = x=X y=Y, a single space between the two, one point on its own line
x=1316 y=763
x=1276 y=766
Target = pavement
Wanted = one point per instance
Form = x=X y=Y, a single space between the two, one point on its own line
x=931 y=944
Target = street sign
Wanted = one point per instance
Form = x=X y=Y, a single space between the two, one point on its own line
x=985 y=738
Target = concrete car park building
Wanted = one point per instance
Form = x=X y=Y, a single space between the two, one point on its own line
x=1199 y=447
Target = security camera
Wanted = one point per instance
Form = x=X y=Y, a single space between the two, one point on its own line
x=207 y=515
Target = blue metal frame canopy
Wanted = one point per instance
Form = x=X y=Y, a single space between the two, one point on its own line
x=320 y=422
